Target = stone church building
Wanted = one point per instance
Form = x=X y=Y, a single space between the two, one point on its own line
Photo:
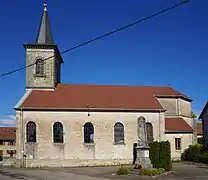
x=79 y=124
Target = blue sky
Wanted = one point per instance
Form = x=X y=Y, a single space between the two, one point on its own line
x=170 y=49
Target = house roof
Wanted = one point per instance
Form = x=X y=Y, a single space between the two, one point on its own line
x=7 y=133
x=75 y=96
x=199 y=129
x=202 y=113
x=177 y=124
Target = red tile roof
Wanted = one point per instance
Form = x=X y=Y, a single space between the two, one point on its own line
x=199 y=129
x=177 y=124
x=7 y=133
x=100 y=96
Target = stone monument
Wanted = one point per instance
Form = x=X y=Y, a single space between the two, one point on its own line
x=142 y=145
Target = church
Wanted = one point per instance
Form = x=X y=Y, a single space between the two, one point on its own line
x=68 y=125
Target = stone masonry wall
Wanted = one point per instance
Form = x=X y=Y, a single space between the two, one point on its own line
x=49 y=80
x=186 y=140
x=73 y=151
x=184 y=108
x=170 y=105
x=176 y=107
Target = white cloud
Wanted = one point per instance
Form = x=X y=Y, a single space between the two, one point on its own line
x=13 y=117
x=9 y=120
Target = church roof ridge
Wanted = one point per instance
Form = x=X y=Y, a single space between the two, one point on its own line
x=113 y=85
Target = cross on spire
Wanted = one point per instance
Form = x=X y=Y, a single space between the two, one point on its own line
x=45 y=5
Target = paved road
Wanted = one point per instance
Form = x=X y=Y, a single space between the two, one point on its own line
x=181 y=171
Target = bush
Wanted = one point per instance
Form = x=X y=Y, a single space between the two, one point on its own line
x=203 y=158
x=151 y=172
x=160 y=155
x=154 y=154
x=123 y=171
x=165 y=156
x=192 y=153
x=195 y=153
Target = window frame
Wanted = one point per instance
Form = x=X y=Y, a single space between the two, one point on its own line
x=88 y=132
x=29 y=138
x=178 y=144
x=58 y=137
x=40 y=67
x=119 y=133
x=149 y=135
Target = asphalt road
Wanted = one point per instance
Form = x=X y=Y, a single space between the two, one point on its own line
x=182 y=171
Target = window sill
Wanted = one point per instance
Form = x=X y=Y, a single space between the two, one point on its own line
x=31 y=143
x=89 y=144
x=116 y=144
x=40 y=75
x=58 y=144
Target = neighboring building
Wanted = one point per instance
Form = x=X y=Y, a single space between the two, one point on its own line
x=204 y=117
x=77 y=125
x=199 y=133
x=7 y=141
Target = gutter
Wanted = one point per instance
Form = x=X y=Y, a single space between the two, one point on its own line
x=174 y=96
x=178 y=131
x=89 y=109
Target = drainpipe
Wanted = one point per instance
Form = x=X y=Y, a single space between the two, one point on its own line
x=159 y=127
x=22 y=137
x=178 y=109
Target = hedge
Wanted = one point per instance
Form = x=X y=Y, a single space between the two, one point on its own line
x=155 y=154
x=195 y=153
x=160 y=155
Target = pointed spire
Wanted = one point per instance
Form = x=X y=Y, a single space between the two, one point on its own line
x=44 y=32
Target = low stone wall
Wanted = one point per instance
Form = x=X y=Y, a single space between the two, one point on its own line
x=71 y=163
x=8 y=161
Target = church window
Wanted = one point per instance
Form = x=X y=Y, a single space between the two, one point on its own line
x=178 y=143
x=58 y=133
x=119 y=133
x=31 y=132
x=88 y=133
x=40 y=67
x=149 y=129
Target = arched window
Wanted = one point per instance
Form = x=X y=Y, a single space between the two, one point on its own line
x=40 y=67
x=88 y=133
x=119 y=133
x=149 y=129
x=31 y=132
x=58 y=133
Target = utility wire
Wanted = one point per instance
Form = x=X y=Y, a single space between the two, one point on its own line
x=102 y=36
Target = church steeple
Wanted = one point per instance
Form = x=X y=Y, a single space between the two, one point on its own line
x=44 y=35
x=45 y=57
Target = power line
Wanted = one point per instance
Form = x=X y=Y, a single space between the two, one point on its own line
x=102 y=36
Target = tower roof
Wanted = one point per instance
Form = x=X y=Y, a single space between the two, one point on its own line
x=44 y=35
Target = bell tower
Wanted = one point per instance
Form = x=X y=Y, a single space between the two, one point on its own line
x=43 y=58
